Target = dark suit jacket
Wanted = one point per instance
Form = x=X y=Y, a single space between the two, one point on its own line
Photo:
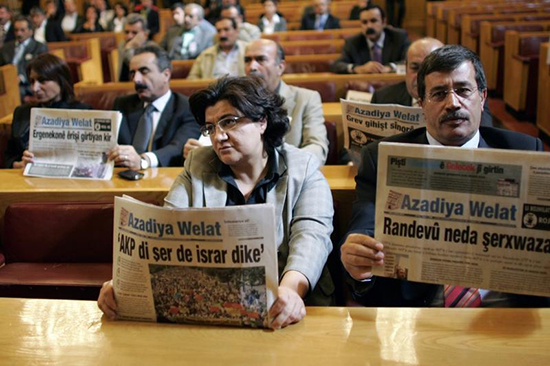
x=10 y=34
x=356 y=50
x=54 y=32
x=19 y=139
x=393 y=292
x=308 y=22
x=175 y=127
x=153 y=20
x=398 y=94
x=32 y=50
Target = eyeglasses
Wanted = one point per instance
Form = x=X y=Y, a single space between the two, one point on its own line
x=441 y=95
x=226 y=124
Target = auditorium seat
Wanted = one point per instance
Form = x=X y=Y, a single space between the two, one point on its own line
x=56 y=250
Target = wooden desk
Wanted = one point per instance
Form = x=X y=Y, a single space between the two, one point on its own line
x=14 y=187
x=64 y=332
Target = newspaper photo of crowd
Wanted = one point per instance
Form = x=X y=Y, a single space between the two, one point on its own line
x=229 y=296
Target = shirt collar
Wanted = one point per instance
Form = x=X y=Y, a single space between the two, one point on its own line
x=160 y=102
x=380 y=41
x=471 y=143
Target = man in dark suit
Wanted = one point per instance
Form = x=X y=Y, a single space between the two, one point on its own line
x=452 y=92
x=156 y=122
x=6 y=26
x=151 y=14
x=21 y=51
x=321 y=18
x=406 y=92
x=46 y=30
x=375 y=49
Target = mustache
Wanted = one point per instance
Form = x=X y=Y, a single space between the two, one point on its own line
x=139 y=86
x=223 y=39
x=454 y=115
x=370 y=31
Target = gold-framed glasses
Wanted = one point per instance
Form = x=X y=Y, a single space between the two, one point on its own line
x=224 y=125
x=462 y=92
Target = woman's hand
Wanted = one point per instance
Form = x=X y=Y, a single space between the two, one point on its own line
x=25 y=159
x=289 y=307
x=106 y=300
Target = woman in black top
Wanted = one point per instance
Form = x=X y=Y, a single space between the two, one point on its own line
x=52 y=87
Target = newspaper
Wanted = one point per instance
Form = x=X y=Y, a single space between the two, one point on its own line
x=365 y=122
x=69 y=143
x=195 y=265
x=466 y=217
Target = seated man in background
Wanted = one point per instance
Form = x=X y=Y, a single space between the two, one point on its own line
x=224 y=58
x=136 y=34
x=6 y=25
x=452 y=91
x=406 y=92
x=156 y=122
x=321 y=18
x=266 y=59
x=247 y=32
x=46 y=30
x=150 y=13
x=185 y=39
x=375 y=49
x=22 y=51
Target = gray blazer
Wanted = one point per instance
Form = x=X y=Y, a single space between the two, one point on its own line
x=307 y=122
x=303 y=210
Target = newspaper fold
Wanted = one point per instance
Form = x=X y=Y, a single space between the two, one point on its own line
x=194 y=265
x=69 y=143
x=466 y=217
x=365 y=122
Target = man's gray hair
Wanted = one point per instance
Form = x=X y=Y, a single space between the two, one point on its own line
x=134 y=18
x=200 y=10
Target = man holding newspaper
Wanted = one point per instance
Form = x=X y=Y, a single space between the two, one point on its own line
x=452 y=92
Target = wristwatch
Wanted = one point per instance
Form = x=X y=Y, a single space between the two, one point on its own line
x=144 y=163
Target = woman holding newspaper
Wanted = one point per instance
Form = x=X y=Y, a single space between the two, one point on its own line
x=52 y=86
x=248 y=163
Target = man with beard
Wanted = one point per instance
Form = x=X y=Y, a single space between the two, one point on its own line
x=376 y=49
x=156 y=122
x=452 y=90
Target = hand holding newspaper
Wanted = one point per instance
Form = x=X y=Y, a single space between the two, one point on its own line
x=467 y=217
x=194 y=265
x=69 y=143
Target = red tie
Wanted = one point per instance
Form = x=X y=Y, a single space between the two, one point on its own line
x=461 y=297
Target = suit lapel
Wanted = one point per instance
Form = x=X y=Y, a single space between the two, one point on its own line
x=364 y=51
x=290 y=99
x=214 y=188
x=278 y=194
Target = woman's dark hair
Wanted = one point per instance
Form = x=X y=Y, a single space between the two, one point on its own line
x=446 y=59
x=51 y=67
x=250 y=95
x=96 y=13
x=123 y=6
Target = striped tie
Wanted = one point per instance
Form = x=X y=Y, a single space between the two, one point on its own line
x=461 y=297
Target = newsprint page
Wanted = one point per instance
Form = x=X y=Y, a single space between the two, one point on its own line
x=364 y=122
x=71 y=143
x=194 y=265
x=467 y=217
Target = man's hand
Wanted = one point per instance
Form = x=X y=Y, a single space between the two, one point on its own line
x=359 y=254
x=190 y=145
x=138 y=41
x=126 y=155
x=106 y=300
x=371 y=67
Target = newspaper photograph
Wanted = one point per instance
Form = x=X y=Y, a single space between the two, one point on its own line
x=69 y=143
x=465 y=217
x=366 y=122
x=196 y=265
